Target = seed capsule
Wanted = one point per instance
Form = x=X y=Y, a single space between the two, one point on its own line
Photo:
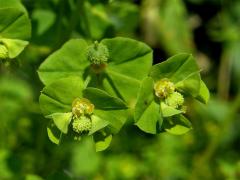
x=82 y=107
x=175 y=100
x=3 y=52
x=97 y=53
x=163 y=88
x=82 y=124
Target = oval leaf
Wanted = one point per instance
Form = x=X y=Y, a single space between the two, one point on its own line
x=129 y=63
x=177 y=125
x=54 y=134
x=103 y=100
x=102 y=140
x=182 y=70
x=62 y=120
x=97 y=124
x=68 y=61
x=59 y=95
x=204 y=94
x=168 y=111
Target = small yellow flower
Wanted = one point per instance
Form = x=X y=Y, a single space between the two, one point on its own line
x=164 y=88
x=82 y=106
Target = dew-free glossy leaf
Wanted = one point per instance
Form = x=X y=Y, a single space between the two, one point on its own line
x=169 y=111
x=14 y=23
x=58 y=96
x=97 y=124
x=116 y=118
x=54 y=134
x=14 y=46
x=147 y=114
x=144 y=98
x=129 y=63
x=204 y=94
x=103 y=100
x=62 y=120
x=15 y=26
x=182 y=70
x=102 y=140
x=151 y=119
x=69 y=60
x=177 y=125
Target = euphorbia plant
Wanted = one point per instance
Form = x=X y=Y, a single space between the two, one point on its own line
x=77 y=111
x=160 y=105
x=117 y=74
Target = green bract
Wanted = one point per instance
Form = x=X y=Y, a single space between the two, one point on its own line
x=15 y=29
x=161 y=96
x=89 y=110
x=128 y=64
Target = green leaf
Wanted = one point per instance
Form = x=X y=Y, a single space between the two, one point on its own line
x=58 y=96
x=144 y=98
x=15 y=27
x=147 y=114
x=169 y=111
x=129 y=63
x=15 y=46
x=103 y=100
x=177 y=125
x=97 y=124
x=14 y=23
x=204 y=94
x=188 y=85
x=182 y=70
x=62 y=120
x=116 y=118
x=68 y=61
x=54 y=134
x=151 y=119
x=44 y=20
x=102 y=140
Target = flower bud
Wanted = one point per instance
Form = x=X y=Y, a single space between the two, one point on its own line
x=82 y=107
x=175 y=100
x=163 y=88
x=82 y=124
x=97 y=53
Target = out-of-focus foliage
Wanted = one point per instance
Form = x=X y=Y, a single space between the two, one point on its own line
x=209 y=151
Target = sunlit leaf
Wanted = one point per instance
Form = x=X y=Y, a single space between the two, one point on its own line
x=177 y=125
x=54 y=134
x=204 y=94
x=102 y=140
x=69 y=60
x=62 y=120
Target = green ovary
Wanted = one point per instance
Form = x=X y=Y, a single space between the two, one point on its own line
x=97 y=53
x=82 y=124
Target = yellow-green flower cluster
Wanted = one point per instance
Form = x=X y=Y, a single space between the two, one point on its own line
x=82 y=110
x=165 y=89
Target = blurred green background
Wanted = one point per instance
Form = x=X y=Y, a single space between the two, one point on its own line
x=209 y=29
